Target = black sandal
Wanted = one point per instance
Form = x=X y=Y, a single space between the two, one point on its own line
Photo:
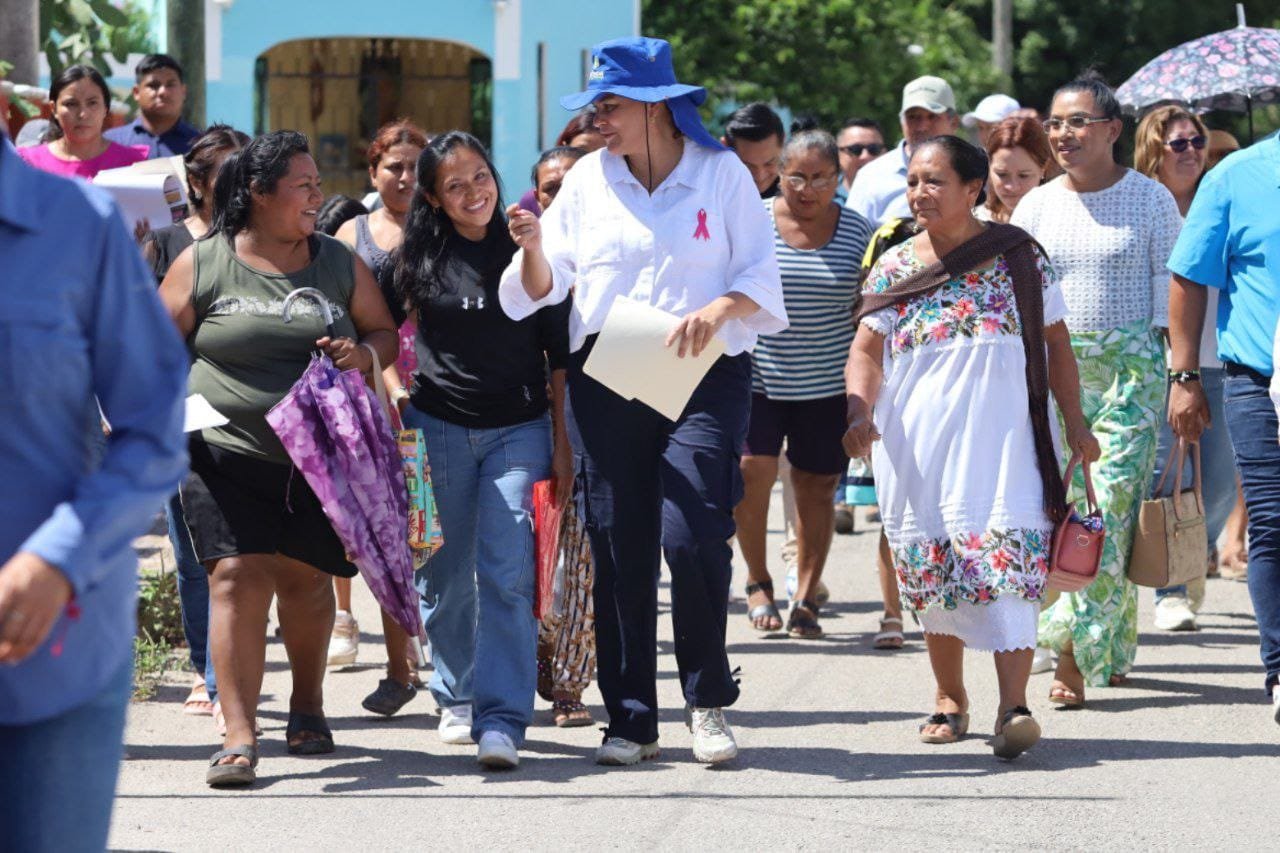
x=232 y=775
x=1018 y=733
x=300 y=723
x=762 y=610
x=389 y=698
x=959 y=724
x=802 y=625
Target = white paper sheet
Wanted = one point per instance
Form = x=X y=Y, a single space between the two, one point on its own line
x=631 y=358
x=153 y=196
x=201 y=415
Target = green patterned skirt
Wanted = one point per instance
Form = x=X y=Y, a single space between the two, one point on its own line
x=1122 y=389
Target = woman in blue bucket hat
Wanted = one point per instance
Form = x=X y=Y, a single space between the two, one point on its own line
x=667 y=217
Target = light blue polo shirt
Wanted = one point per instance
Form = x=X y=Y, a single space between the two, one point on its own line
x=1231 y=241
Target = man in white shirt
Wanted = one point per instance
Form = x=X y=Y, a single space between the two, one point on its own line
x=879 y=191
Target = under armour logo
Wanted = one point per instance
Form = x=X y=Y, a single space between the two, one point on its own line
x=466 y=303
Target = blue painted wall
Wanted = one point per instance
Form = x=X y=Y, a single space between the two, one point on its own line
x=251 y=27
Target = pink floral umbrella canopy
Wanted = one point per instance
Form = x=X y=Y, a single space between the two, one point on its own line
x=339 y=438
x=1231 y=70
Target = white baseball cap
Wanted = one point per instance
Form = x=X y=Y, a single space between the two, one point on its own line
x=991 y=109
x=931 y=93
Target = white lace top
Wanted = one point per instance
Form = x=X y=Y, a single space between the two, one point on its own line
x=1110 y=248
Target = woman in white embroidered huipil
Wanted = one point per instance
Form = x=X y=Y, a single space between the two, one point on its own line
x=956 y=467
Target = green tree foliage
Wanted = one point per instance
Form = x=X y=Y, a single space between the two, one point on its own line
x=1055 y=39
x=74 y=32
x=832 y=58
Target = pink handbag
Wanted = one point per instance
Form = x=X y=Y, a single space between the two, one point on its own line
x=1077 y=543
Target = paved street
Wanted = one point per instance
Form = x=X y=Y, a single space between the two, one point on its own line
x=1184 y=756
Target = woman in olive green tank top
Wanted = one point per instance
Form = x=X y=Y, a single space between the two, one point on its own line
x=255 y=523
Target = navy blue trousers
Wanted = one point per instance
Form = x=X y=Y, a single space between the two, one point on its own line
x=651 y=484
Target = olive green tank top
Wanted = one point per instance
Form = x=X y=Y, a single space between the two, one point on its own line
x=245 y=357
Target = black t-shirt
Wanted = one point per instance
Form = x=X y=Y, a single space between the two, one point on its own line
x=163 y=246
x=477 y=367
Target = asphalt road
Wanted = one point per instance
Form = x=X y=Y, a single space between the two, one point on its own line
x=1183 y=756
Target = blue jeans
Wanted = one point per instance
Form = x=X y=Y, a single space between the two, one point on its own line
x=193 y=594
x=1251 y=420
x=1217 y=466
x=477 y=590
x=58 y=777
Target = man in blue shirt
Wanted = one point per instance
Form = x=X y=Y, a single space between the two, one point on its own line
x=79 y=320
x=879 y=192
x=161 y=94
x=1231 y=241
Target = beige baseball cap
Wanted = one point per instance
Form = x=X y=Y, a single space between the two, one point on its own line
x=931 y=93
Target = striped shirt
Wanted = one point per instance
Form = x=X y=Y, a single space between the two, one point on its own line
x=806 y=360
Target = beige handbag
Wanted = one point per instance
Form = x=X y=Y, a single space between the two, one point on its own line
x=1171 y=544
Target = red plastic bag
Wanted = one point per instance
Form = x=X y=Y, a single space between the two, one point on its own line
x=546 y=546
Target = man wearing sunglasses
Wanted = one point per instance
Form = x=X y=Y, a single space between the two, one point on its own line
x=860 y=141
x=880 y=191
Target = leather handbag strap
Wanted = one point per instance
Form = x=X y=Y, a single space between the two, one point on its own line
x=1177 y=459
x=1091 y=497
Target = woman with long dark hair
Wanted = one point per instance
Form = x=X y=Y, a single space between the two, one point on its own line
x=203 y=161
x=256 y=524
x=480 y=397
x=76 y=147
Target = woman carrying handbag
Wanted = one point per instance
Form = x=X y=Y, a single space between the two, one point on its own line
x=949 y=368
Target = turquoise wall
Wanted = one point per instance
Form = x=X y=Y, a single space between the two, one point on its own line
x=251 y=27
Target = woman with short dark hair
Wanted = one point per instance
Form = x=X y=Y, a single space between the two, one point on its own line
x=965 y=460
x=256 y=525
x=797 y=390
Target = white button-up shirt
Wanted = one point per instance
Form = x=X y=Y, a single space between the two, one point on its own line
x=701 y=235
x=879 y=190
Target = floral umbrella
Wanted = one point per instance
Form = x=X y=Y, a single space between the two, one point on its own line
x=1230 y=70
x=339 y=437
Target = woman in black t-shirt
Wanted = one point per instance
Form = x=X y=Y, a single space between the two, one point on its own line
x=480 y=395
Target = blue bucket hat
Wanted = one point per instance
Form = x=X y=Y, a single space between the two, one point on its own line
x=640 y=69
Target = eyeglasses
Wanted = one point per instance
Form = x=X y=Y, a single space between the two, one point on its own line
x=1179 y=145
x=875 y=149
x=1078 y=121
x=799 y=182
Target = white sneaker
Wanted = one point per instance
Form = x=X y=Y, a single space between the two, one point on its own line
x=1275 y=700
x=497 y=751
x=344 y=642
x=712 y=738
x=620 y=752
x=455 y=725
x=1173 y=613
x=821 y=597
x=1042 y=660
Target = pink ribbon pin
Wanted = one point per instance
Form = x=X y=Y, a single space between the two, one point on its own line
x=701 y=233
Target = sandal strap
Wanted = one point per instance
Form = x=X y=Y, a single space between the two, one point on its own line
x=811 y=606
x=307 y=723
x=1015 y=711
x=568 y=705
x=763 y=586
x=244 y=750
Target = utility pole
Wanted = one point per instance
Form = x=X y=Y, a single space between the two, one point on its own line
x=185 y=19
x=20 y=39
x=1002 y=36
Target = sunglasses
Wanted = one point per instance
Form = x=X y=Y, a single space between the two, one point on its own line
x=1197 y=142
x=875 y=149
